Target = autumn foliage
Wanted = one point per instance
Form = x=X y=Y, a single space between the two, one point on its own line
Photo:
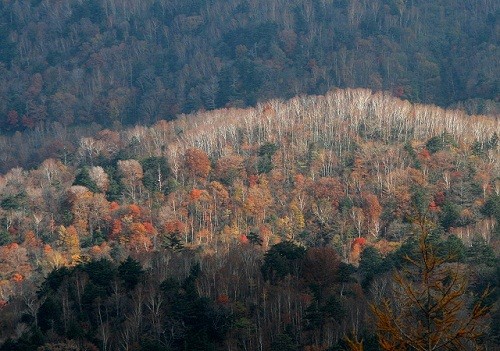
x=297 y=211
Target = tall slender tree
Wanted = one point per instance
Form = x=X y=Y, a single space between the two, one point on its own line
x=428 y=307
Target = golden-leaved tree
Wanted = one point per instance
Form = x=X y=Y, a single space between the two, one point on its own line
x=428 y=308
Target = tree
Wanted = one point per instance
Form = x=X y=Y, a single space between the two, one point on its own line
x=84 y=178
x=373 y=212
x=281 y=260
x=371 y=264
x=131 y=272
x=197 y=163
x=283 y=342
x=427 y=310
x=99 y=177
x=156 y=172
x=70 y=242
x=132 y=173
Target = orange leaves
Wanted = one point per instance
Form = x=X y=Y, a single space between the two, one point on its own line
x=373 y=208
x=137 y=229
x=174 y=226
x=139 y=240
x=12 y=247
x=195 y=194
x=17 y=278
x=31 y=241
x=134 y=210
x=356 y=248
x=47 y=249
x=113 y=206
x=116 y=230
x=197 y=162
x=219 y=191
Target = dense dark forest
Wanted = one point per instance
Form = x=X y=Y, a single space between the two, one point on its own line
x=336 y=222
x=107 y=63
x=125 y=61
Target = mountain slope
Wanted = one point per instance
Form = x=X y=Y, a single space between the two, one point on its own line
x=127 y=61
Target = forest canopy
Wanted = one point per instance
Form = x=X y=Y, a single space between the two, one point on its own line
x=316 y=175
x=127 y=61
x=266 y=228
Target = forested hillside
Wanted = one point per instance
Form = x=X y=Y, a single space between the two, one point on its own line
x=128 y=61
x=266 y=228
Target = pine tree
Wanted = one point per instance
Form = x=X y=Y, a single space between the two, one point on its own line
x=427 y=310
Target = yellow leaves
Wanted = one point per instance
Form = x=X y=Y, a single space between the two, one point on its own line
x=297 y=216
x=285 y=227
x=54 y=259
x=69 y=242
x=354 y=344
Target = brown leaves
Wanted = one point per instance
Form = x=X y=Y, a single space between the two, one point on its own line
x=197 y=163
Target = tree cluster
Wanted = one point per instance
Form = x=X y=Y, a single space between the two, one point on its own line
x=258 y=198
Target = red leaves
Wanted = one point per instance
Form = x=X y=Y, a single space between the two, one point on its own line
x=253 y=180
x=12 y=118
x=433 y=207
x=135 y=210
x=244 y=239
x=358 y=242
x=425 y=154
x=150 y=229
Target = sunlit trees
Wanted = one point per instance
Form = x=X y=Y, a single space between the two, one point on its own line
x=132 y=173
x=69 y=242
x=333 y=174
